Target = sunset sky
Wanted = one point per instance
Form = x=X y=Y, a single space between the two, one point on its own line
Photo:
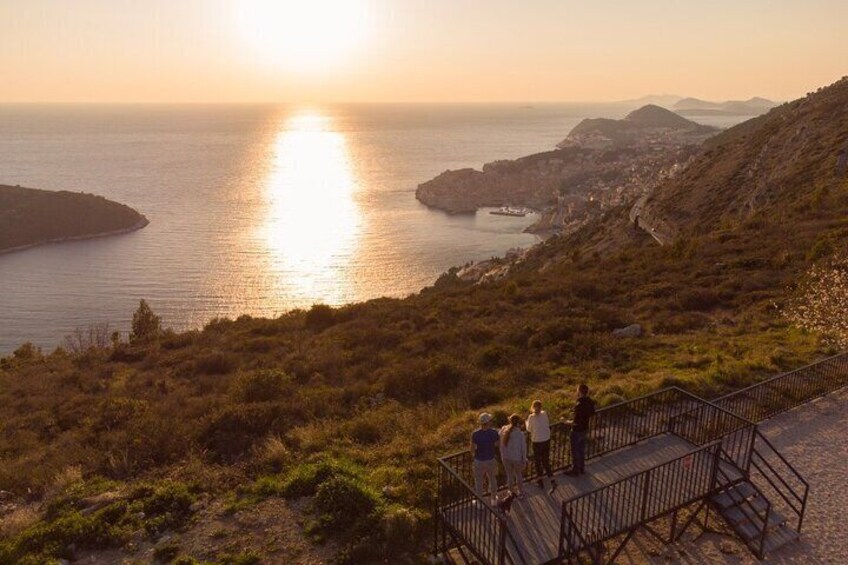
x=416 y=50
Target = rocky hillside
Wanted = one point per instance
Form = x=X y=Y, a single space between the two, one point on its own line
x=649 y=125
x=603 y=163
x=766 y=165
x=31 y=217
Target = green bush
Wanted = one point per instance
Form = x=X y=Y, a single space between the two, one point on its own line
x=234 y=429
x=305 y=479
x=345 y=501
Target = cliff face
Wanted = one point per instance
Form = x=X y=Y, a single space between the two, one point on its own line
x=788 y=155
x=31 y=217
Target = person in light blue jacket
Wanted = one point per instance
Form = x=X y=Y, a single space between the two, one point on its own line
x=514 y=454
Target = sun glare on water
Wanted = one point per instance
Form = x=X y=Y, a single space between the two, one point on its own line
x=313 y=220
x=305 y=35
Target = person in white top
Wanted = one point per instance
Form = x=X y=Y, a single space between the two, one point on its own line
x=539 y=428
x=514 y=453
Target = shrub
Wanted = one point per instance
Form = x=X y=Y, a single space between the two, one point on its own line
x=215 y=364
x=345 y=501
x=234 y=429
x=320 y=317
x=305 y=479
x=262 y=385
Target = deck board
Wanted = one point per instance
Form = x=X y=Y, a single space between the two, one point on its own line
x=534 y=521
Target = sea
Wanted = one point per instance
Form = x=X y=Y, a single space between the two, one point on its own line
x=255 y=209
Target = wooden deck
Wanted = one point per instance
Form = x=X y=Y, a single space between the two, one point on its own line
x=535 y=518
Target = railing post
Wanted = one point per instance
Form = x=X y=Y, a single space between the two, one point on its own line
x=502 y=553
x=647 y=488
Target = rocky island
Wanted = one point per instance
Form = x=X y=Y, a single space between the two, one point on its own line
x=602 y=163
x=30 y=217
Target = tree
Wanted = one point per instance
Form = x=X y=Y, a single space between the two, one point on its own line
x=145 y=324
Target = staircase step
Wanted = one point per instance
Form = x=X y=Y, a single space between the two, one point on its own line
x=738 y=515
x=734 y=495
x=779 y=537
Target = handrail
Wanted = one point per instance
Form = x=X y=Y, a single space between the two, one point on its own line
x=503 y=529
x=747 y=503
x=805 y=486
x=638 y=485
x=780 y=376
x=799 y=390
x=563 y=540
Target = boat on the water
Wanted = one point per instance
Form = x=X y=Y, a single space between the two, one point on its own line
x=509 y=211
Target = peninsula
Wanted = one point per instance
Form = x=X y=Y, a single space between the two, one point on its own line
x=30 y=217
x=601 y=164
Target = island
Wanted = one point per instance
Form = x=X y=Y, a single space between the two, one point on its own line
x=30 y=217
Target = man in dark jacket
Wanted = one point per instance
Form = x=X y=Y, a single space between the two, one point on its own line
x=583 y=412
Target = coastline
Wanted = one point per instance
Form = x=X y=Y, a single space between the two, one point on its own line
x=140 y=224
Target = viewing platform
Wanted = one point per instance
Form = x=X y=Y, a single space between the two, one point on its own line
x=668 y=455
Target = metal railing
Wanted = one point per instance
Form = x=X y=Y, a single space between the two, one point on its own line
x=464 y=515
x=621 y=506
x=758 y=518
x=722 y=430
x=769 y=467
x=787 y=390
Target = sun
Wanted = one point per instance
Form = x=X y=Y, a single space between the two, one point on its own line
x=304 y=35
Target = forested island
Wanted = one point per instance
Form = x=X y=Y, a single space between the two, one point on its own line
x=30 y=217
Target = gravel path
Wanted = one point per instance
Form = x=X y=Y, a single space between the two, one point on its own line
x=814 y=439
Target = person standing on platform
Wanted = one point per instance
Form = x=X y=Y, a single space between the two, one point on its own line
x=484 y=441
x=539 y=428
x=584 y=410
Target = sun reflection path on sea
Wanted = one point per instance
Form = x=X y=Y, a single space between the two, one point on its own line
x=313 y=222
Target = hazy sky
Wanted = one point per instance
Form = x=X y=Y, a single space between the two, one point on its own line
x=416 y=50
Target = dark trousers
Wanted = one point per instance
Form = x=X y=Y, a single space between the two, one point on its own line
x=542 y=458
x=578 y=451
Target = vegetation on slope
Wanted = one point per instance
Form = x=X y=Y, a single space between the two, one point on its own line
x=32 y=217
x=341 y=412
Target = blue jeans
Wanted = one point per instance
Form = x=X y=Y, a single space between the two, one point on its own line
x=578 y=450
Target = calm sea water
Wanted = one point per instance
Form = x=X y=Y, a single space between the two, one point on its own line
x=253 y=209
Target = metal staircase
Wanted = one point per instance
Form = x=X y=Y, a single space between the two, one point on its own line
x=765 y=522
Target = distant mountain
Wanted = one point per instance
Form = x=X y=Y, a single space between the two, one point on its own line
x=664 y=100
x=649 y=124
x=696 y=107
x=30 y=217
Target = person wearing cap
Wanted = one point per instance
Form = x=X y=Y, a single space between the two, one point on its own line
x=539 y=428
x=484 y=441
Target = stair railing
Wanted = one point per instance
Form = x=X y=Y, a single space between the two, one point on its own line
x=745 y=505
x=795 y=496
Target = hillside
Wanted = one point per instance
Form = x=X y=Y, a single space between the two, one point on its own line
x=649 y=124
x=30 y=217
x=603 y=163
x=329 y=420
x=764 y=167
